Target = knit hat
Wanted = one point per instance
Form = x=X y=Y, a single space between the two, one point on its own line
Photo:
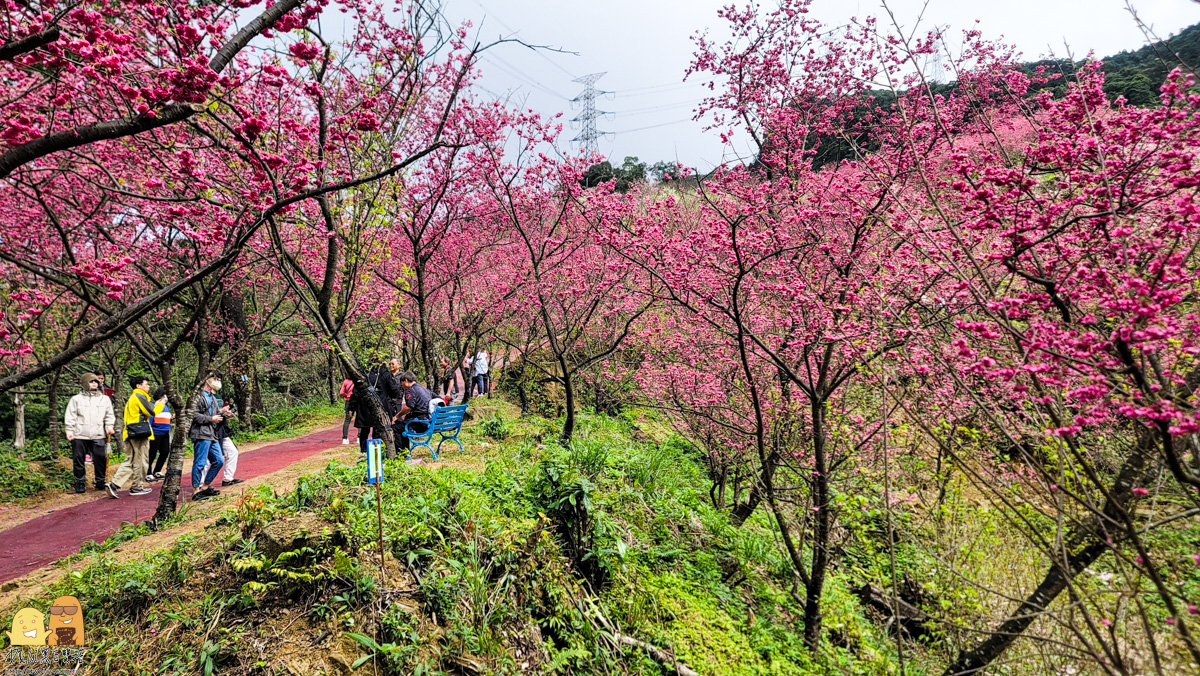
x=87 y=378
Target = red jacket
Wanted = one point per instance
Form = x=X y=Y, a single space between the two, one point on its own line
x=347 y=388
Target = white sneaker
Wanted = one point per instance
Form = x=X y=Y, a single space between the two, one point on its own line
x=149 y=478
x=345 y=441
x=140 y=491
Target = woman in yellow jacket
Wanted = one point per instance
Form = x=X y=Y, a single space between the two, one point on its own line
x=133 y=469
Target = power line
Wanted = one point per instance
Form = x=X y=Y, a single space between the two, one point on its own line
x=511 y=30
x=653 y=109
x=629 y=93
x=665 y=84
x=512 y=71
x=653 y=126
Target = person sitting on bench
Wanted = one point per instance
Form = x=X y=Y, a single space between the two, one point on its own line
x=414 y=405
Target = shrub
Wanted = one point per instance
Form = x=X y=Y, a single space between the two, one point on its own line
x=20 y=478
x=494 y=427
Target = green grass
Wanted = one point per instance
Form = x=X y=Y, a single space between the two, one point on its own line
x=22 y=478
x=289 y=422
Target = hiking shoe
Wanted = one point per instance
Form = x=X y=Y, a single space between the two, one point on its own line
x=232 y=482
x=79 y=488
x=204 y=494
x=345 y=441
x=140 y=491
x=112 y=490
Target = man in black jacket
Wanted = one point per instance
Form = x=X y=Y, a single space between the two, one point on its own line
x=382 y=386
x=414 y=406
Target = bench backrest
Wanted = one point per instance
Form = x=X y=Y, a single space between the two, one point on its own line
x=447 y=418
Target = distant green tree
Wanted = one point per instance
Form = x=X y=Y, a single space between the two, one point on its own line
x=664 y=172
x=630 y=172
x=1134 y=85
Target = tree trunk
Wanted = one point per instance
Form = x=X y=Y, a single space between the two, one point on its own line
x=1085 y=545
x=242 y=357
x=821 y=531
x=19 y=417
x=168 y=500
x=426 y=347
x=568 y=429
x=118 y=442
x=743 y=510
x=55 y=424
x=331 y=365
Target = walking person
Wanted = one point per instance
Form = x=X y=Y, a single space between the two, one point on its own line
x=228 y=449
x=345 y=392
x=481 y=371
x=206 y=447
x=138 y=432
x=88 y=422
x=160 y=446
x=382 y=386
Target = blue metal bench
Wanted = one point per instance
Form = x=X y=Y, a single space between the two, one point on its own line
x=446 y=421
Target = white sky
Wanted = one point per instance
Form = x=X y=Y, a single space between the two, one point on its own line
x=645 y=47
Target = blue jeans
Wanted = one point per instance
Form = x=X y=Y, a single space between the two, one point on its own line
x=206 y=451
x=481 y=382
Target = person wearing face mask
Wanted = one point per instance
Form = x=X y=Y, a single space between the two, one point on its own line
x=206 y=445
x=88 y=422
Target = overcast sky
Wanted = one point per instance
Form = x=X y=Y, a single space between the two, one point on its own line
x=644 y=46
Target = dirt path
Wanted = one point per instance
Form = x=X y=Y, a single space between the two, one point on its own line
x=37 y=540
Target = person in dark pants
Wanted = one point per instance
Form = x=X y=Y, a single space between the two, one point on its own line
x=88 y=423
x=447 y=380
x=414 y=407
x=382 y=386
x=346 y=392
x=160 y=445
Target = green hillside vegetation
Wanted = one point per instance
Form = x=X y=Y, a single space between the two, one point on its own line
x=522 y=556
x=1137 y=75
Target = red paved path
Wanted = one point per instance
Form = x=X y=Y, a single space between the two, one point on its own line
x=45 y=539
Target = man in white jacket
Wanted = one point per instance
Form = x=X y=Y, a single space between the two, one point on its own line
x=89 y=422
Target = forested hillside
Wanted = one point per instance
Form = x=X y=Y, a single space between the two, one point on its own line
x=1136 y=75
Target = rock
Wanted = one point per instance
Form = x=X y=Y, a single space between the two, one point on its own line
x=292 y=533
x=912 y=619
x=340 y=662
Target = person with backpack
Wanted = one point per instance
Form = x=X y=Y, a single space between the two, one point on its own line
x=88 y=422
x=138 y=432
x=382 y=386
x=160 y=446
